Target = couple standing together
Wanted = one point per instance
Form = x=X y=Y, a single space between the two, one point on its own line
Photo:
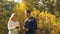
x=29 y=27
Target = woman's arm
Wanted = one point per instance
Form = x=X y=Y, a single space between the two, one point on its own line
x=10 y=27
x=18 y=26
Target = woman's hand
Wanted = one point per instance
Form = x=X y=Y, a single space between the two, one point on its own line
x=17 y=27
x=13 y=27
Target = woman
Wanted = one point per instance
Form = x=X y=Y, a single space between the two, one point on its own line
x=13 y=24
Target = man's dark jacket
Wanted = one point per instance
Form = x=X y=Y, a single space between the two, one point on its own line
x=31 y=24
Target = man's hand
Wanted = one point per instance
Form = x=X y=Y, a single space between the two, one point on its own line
x=25 y=29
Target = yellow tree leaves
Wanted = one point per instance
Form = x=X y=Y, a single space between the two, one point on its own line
x=35 y=12
x=19 y=7
x=23 y=6
x=44 y=19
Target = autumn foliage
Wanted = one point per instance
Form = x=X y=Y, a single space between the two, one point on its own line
x=47 y=23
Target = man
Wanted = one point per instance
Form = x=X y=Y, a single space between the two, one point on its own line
x=30 y=23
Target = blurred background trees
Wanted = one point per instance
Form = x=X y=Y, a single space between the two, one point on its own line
x=46 y=12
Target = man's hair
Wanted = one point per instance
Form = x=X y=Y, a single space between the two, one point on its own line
x=28 y=11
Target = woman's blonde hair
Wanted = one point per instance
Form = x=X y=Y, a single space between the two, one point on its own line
x=13 y=14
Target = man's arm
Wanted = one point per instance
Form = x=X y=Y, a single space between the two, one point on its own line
x=34 y=24
x=26 y=26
